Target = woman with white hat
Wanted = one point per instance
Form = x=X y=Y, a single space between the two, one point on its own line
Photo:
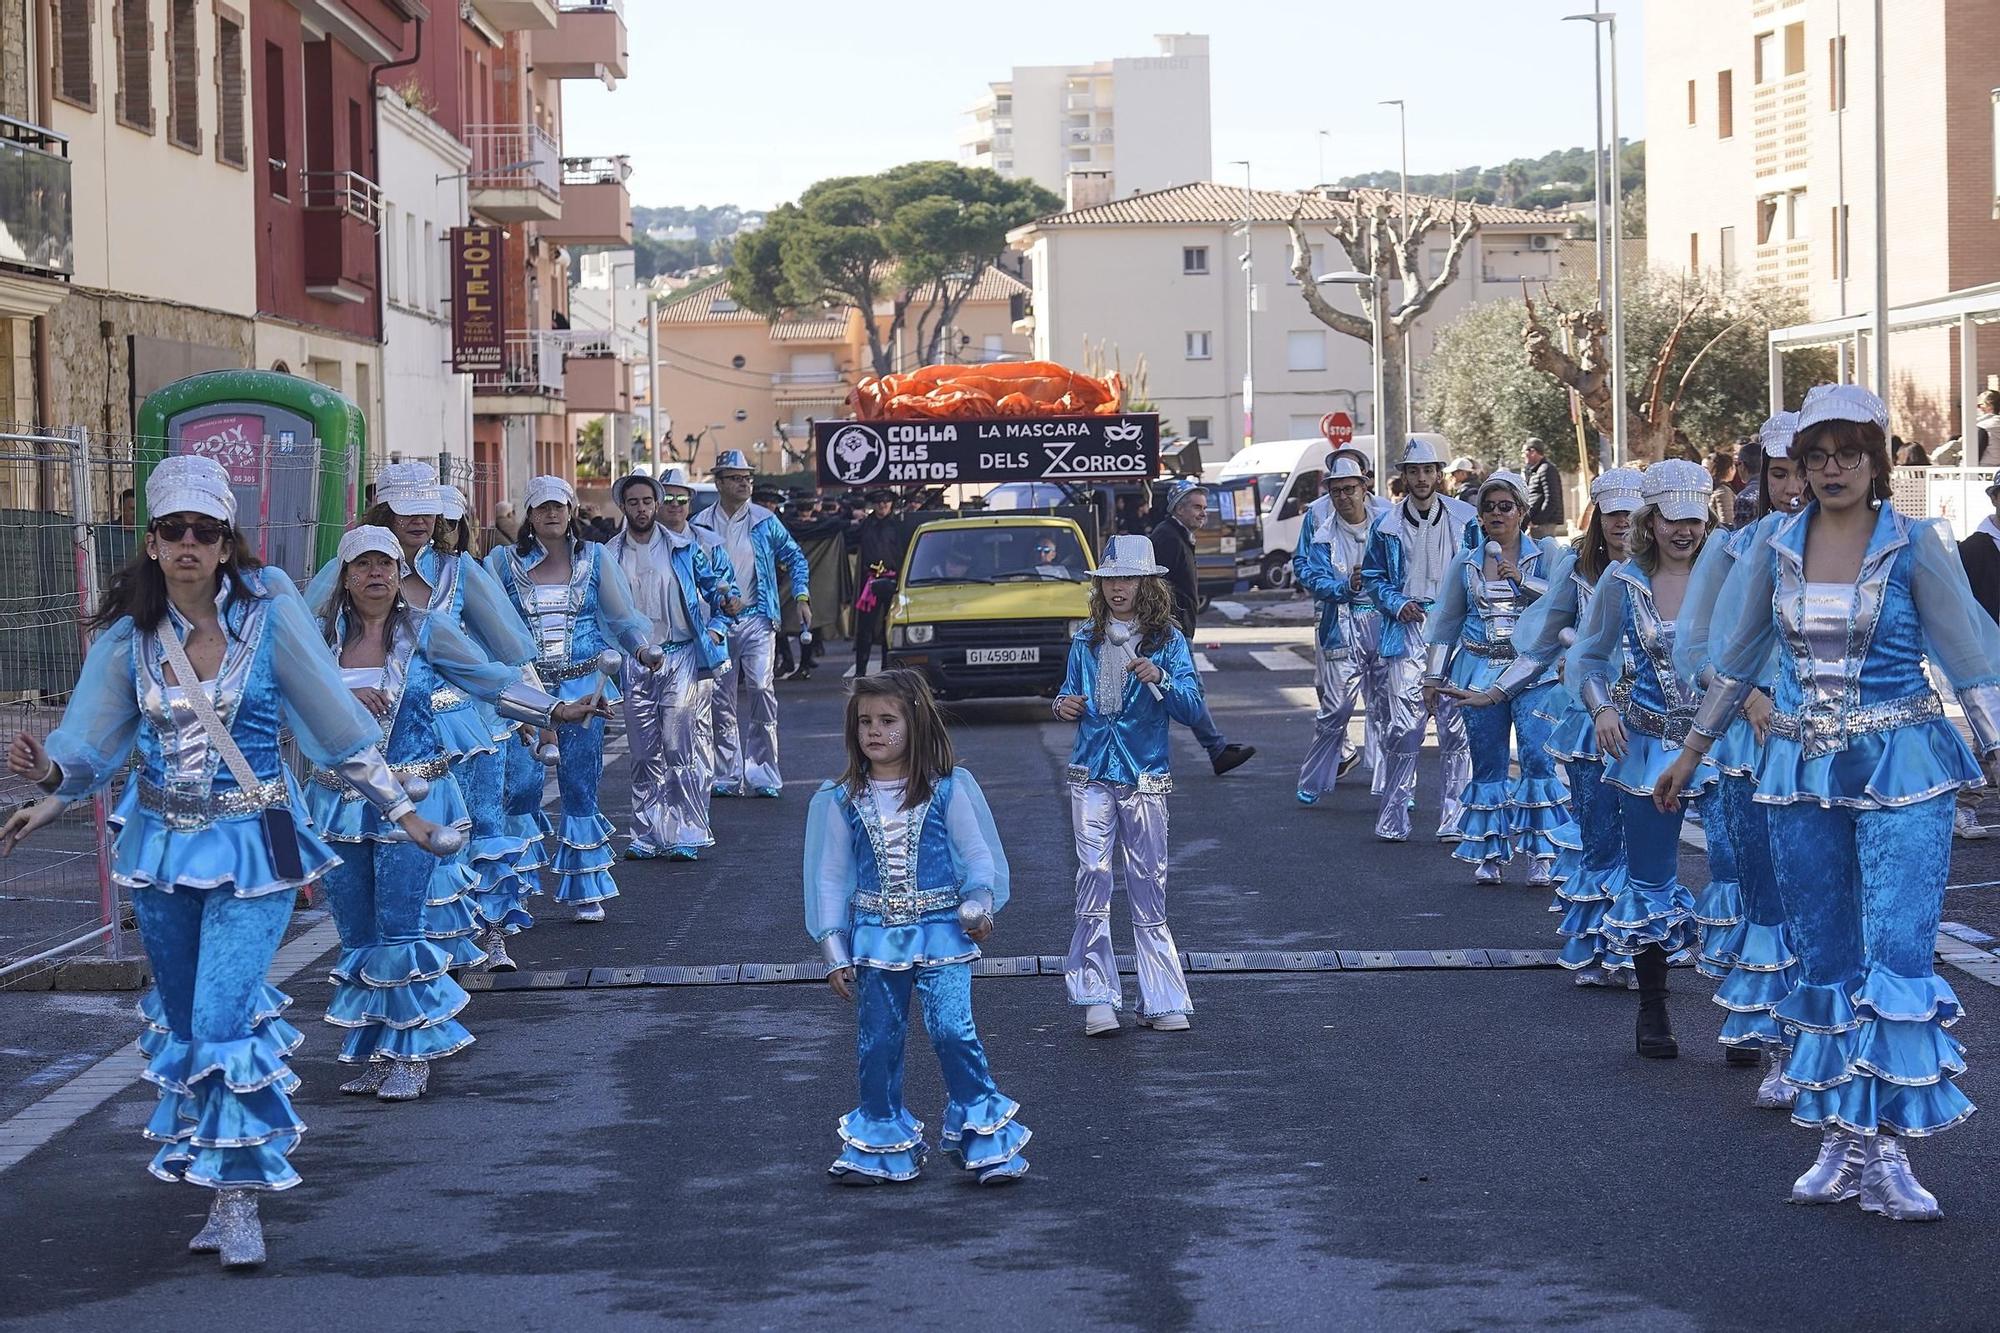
x=1744 y=942
x=1629 y=634
x=212 y=839
x=391 y=989
x=1470 y=637
x=1593 y=844
x=1859 y=774
x=578 y=605
x=1130 y=674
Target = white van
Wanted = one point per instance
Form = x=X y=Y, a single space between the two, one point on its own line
x=1288 y=474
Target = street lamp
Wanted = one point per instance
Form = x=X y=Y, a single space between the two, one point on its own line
x=693 y=440
x=1372 y=281
x=1324 y=135
x=1609 y=23
x=1409 y=284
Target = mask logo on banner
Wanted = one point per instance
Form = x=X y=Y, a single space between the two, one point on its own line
x=1123 y=434
x=856 y=455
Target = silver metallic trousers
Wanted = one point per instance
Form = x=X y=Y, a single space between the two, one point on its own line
x=746 y=711
x=1403 y=736
x=669 y=784
x=1119 y=822
x=1343 y=678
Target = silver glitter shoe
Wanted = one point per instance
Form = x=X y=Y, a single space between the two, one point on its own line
x=497 y=957
x=1544 y=873
x=1488 y=872
x=240 y=1233
x=208 y=1240
x=590 y=912
x=406 y=1081
x=370 y=1080
x=1888 y=1186
x=1595 y=976
x=1835 y=1174
x=1774 y=1094
x=1099 y=1020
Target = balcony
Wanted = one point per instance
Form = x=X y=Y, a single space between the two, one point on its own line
x=809 y=386
x=343 y=213
x=529 y=381
x=516 y=173
x=517 y=15
x=596 y=206
x=597 y=384
x=36 y=230
x=588 y=43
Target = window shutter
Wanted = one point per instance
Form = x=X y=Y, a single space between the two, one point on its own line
x=184 y=69
x=229 y=92
x=134 y=101
x=73 y=81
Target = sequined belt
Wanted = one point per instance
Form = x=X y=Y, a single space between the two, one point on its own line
x=1502 y=651
x=899 y=907
x=430 y=770
x=1149 y=784
x=1671 y=725
x=1825 y=728
x=561 y=671
x=188 y=811
x=444 y=698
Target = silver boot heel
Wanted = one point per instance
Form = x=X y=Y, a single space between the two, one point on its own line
x=240 y=1231
x=1835 y=1174
x=208 y=1240
x=1774 y=1094
x=1890 y=1188
x=406 y=1081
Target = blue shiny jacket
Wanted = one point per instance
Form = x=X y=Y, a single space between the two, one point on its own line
x=1131 y=748
x=702 y=587
x=772 y=546
x=1315 y=567
x=1471 y=614
x=1382 y=571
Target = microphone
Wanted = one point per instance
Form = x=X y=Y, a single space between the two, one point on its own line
x=1493 y=550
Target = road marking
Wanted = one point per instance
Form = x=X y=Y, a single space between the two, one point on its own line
x=1201 y=662
x=1280 y=659
x=1232 y=610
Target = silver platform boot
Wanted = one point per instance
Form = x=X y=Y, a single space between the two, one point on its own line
x=1774 y=1094
x=240 y=1233
x=497 y=958
x=406 y=1081
x=1835 y=1174
x=371 y=1079
x=208 y=1240
x=1890 y=1188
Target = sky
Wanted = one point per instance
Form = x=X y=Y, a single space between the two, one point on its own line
x=750 y=102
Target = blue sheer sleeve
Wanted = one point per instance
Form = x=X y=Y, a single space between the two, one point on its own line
x=102 y=719
x=975 y=842
x=464 y=664
x=323 y=715
x=319 y=592
x=1538 y=633
x=1595 y=654
x=490 y=617
x=617 y=613
x=1693 y=628
x=1742 y=631
x=829 y=865
x=1448 y=612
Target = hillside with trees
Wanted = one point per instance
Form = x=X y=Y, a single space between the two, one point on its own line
x=1553 y=180
x=713 y=238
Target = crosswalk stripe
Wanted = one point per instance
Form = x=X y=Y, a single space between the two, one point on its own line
x=1201 y=662
x=1278 y=659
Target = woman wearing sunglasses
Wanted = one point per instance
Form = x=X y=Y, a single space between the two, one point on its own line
x=1859 y=774
x=212 y=839
x=1471 y=636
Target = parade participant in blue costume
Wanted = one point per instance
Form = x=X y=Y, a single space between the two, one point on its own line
x=904 y=874
x=1745 y=944
x=212 y=839
x=1130 y=673
x=1583 y=890
x=391 y=990
x=745 y=703
x=1470 y=638
x=578 y=606
x=1860 y=771
x=1349 y=667
x=1410 y=552
x=1370 y=749
x=677 y=588
x=1641 y=726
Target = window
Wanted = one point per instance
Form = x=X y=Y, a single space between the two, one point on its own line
x=73 y=81
x=1200 y=428
x=1795 y=49
x=1194 y=259
x=1694 y=251
x=1725 y=104
x=1836 y=73
x=1725 y=252
x=427 y=293
x=1691 y=101
x=1764 y=57
x=413 y=282
x=1839 y=246
x=1198 y=348
x=183 y=76
x=230 y=142
x=276 y=132
x=135 y=65
x=1795 y=214
x=1305 y=350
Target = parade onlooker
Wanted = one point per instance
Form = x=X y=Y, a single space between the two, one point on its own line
x=504 y=530
x=878 y=557
x=1722 y=474
x=1545 y=492
x=1749 y=498
x=1464 y=480
x=1173 y=548
x=1980 y=554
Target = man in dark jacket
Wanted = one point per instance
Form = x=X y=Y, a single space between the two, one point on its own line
x=1545 y=492
x=1980 y=554
x=878 y=555
x=1173 y=549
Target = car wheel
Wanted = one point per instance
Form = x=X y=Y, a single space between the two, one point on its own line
x=1276 y=572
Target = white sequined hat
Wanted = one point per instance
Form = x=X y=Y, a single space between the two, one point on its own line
x=1618 y=490
x=675 y=478
x=732 y=460
x=358 y=541
x=1127 y=558
x=454 y=502
x=409 y=488
x=1512 y=480
x=1419 y=451
x=190 y=484
x=1775 y=435
x=545 y=488
x=1343 y=465
x=1842 y=402
x=1677 y=488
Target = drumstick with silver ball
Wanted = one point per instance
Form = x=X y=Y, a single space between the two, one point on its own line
x=1121 y=633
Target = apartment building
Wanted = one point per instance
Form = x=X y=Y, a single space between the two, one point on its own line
x=1098 y=131
x=607 y=313
x=1760 y=164
x=734 y=380
x=1159 y=276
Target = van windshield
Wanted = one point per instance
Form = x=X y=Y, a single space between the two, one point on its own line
x=1269 y=486
x=998 y=555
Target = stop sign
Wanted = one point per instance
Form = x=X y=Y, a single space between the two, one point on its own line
x=1338 y=428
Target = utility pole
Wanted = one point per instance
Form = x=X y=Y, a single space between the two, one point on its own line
x=1249 y=316
x=1409 y=282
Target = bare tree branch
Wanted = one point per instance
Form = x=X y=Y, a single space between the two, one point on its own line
x=1674 y=408
x=1427 y=293
x=1340 y=321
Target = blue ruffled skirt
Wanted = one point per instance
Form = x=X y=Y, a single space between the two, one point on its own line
x=1891 y=768
x=230 y=854
x=449 y=920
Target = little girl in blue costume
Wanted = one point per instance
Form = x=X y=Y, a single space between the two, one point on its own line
x=903 y=873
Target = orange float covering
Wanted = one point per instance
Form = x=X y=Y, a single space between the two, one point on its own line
x=1003 y=389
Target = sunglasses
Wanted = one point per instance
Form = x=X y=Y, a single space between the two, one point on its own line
x=1045 y=549
x=1499 y=507
x=676 y=500
x=173 y=530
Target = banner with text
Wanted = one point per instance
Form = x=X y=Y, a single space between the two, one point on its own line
x=995 y=449
x=478 y=299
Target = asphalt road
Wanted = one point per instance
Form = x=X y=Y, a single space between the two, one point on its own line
x=1448 y=1147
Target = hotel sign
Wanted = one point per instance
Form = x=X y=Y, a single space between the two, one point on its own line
x=478 y=298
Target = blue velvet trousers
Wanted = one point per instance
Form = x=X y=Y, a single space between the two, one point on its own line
x=1503 y=816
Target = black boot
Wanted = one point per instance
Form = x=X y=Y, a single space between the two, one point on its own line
x=1655 y=1034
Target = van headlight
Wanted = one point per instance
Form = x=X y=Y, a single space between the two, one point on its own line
x=1077 y=627
x=918 y=635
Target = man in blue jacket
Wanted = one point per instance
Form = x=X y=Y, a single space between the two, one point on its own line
x=757 y=548
x=1348 y=659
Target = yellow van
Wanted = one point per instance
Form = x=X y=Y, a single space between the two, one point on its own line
x=988 y=605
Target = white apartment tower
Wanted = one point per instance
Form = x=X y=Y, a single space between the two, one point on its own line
x=1097 y=132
